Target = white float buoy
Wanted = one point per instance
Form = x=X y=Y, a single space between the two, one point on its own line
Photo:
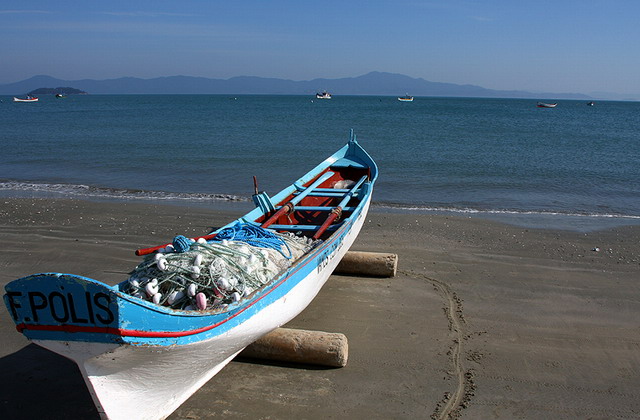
x=151 y=289
x=162 y=264
x=156 y=298
x=224 y=283
x=174 y=297
x=192 y=289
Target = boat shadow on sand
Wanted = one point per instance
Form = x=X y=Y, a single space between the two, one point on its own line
x=38 y=383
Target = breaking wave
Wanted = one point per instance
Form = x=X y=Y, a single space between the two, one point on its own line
x=508 y=212
x=86 y=191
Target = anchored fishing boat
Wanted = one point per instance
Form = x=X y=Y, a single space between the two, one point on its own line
x=148 y=343
x=27 y=99
x=546 y=105
x=406 y=98
x=323 y=95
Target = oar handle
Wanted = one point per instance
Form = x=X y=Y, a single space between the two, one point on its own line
x=335 y=213
x=147 y=251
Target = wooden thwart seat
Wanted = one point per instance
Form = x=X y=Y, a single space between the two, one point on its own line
x=302 y=228
x=318 y=208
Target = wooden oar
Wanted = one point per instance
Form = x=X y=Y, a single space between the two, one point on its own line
x=337 y=211
x=146 y=251
x=289 y=206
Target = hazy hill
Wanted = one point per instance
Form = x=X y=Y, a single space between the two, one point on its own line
x=56 y=91
x=374 y=83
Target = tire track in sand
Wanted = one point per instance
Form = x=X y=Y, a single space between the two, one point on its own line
x=452 y=403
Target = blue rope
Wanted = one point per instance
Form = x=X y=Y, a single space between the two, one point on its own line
x=181 y=243
x=255 y=236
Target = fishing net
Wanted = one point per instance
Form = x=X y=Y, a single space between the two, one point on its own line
x=207 y=275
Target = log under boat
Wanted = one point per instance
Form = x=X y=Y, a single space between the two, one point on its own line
x=142 y=354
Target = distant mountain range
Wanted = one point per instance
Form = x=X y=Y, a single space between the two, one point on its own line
x=374 y=83
x=56 y=91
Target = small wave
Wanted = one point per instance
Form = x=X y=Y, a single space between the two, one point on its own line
x=79 y=190
x=466 y=210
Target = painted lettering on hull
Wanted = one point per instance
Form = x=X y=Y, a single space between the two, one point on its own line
x=328 y=254
x=64 y=308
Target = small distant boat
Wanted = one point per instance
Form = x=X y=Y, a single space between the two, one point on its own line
x=545 y=105
x=60 y=95
x=406 y=98
x=141 y=345
x=29 y=98
x=591 y=103
x=323 y=95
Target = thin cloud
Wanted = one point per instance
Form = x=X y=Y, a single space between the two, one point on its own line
x=23 y=12
x=147 y=14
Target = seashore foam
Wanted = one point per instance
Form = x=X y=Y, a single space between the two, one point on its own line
x=575 y=221
x=563 y=220
x=61 y=190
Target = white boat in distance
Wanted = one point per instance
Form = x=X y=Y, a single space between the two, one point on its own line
x=545 y=105
x=27 y=99
x=406 y=98
x=323 y=95
x=143 y=350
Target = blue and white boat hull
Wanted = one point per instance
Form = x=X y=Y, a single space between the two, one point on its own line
x=141 y=360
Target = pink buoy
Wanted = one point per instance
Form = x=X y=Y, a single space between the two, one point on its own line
x=201 y=301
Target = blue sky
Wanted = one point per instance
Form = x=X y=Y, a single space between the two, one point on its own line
x=543 y=45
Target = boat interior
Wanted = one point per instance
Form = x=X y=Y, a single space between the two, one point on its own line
x=318 y=208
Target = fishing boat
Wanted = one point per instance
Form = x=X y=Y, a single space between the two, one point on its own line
x=406 y=98
x=27 y=99
x=591 y=103
x=60 y=96
x=143 y=350
x=546 y=105
x=323 y=95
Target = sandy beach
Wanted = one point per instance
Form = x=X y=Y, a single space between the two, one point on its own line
x=483 y=321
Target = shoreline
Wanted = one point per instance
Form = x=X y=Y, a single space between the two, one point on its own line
x=502 y=320
x=233 y=203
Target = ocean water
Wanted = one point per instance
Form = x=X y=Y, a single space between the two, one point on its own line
x=470 y=156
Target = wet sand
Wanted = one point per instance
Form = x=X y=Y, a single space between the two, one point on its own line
x=484 y=320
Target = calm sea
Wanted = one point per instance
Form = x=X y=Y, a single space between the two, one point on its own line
x=471 y=156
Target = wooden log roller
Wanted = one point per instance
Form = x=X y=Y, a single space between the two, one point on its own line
x=300 y=346
x=317 y=347
x=371 y=264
